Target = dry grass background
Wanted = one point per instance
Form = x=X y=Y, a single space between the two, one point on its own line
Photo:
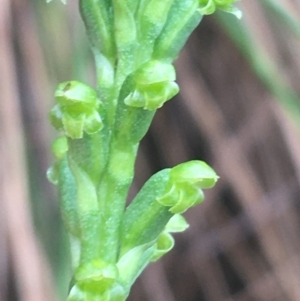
x=238 y=109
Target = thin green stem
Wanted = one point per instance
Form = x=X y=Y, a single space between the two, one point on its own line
x=112 y=194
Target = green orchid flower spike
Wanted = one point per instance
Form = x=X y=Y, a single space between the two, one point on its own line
x=134 y=43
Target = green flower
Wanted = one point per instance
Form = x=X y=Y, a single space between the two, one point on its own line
x=77 y=110
x=154 y=85
x=208 y=7
x=184 y=189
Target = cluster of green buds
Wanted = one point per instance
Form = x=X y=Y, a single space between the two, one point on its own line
x=134 y=43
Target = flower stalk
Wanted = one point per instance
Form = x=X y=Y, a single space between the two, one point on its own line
x=134 y=44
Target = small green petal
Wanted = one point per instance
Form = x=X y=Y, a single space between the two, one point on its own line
x=76 y=93
x=177 y=223
x=93 y=123
x=170 y=198
x=189 y=196
x=135 y=99
x=73 y=126
x=194 y=172
x=158 y=93
x=165 y=243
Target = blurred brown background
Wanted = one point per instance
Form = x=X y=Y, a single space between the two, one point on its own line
x=238 y=109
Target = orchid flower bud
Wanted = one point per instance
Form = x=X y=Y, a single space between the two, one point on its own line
x=77 y=110
x=154 y=85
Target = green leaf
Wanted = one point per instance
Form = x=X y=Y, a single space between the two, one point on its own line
x=177 y=223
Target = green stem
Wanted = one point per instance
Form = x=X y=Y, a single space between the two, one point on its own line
x=131 y=125
x=112 y=193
